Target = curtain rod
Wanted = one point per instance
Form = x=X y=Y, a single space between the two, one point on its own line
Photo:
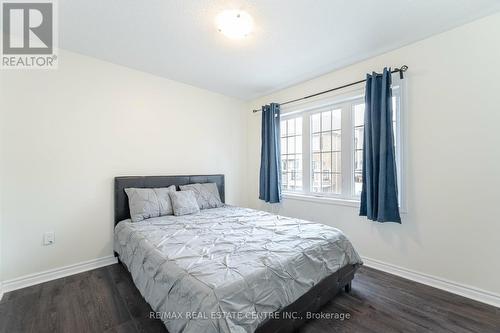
x=401 y=70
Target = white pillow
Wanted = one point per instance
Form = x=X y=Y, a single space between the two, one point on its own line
x=184 y=202
x=145 y=203
x=207 y=194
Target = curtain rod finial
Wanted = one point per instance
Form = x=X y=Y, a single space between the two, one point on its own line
x=401 y=71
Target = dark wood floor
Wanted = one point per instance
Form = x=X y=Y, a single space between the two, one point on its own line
x=106 y=300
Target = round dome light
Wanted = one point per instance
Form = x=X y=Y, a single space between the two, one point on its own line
x=234 y=24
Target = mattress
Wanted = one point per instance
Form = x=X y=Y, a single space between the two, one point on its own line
x=227 y=269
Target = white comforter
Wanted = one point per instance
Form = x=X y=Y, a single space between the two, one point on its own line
x=226 y=269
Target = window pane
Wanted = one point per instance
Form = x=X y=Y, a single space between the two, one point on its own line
x=294 y=163
x=298 y=180
x=291 y=182
x=358 y=137
x=298 y=162
x=291 y=126
x=291 y=154
x=298 y=144
x=336 y=183
x=283 y=146
x=298 y=126
x=336 y=140
x=326 y=121
x=336 y=162
x=315 y=142
x=316 y=162
x=289 y=160
x=284 y=180
x=326 y=162
x=316 y=182
x=337 y=119
x=283 y=128
x=359 y=114
x=315 y=121
x=291 y=145
x=326 y=141
x=358 y=160
x=285 y=162
x=326 y=182
x=358 y=183
x=292 y=172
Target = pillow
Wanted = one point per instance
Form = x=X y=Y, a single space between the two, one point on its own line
x=207 y=194
x=184 y=202
x=145 y=203
x=164 y=199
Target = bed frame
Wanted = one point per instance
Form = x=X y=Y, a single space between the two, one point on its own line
x=288 y=319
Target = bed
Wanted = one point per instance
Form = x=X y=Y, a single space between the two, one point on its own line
x=230 y=269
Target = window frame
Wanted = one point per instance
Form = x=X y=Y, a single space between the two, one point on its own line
x=346 y=102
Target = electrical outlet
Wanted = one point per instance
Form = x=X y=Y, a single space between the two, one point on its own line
x=49 y=238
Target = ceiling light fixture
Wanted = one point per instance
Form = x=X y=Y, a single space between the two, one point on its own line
x=234 y=24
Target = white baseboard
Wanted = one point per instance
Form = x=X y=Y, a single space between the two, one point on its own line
x=440 y=283
x=56 y=273
x=436 y=282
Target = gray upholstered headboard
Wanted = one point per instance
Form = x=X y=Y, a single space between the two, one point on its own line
x=121 y=183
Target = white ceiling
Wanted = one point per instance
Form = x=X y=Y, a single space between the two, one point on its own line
x=294 y=40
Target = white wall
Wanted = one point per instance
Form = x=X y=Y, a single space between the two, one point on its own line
x=66 y=133
x=452 y=229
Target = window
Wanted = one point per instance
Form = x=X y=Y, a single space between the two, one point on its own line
x=291 y=154
x=322 y=146
x=326 y=136
x=359 y=114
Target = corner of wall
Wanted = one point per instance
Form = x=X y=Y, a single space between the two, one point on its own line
x=247 y=168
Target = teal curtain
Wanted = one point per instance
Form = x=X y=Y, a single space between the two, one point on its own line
x=270 y=161
x=379 y=196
